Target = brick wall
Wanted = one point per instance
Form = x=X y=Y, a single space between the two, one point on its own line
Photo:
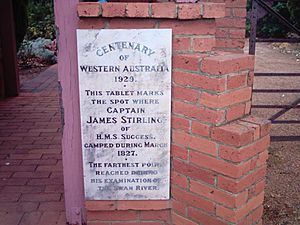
x=218 y=150
x=230 y=33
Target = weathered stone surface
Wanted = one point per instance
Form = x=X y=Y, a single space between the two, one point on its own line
x=125 y=101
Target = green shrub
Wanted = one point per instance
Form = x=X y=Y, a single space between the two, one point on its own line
x=40 y=19
x=294 y=8
x=269 y=26
x=20 y=19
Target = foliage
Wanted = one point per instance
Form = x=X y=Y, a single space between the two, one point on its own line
x=20 y=18
x=294 y=8
x=270 y=26
x=40 y=19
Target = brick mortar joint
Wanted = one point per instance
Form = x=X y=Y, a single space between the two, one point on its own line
x=85 y=7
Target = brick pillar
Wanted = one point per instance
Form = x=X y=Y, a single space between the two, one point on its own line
x=218 y=151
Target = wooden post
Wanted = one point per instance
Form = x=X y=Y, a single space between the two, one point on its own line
x=2 y=89
x=8 y=48
x=66 y=21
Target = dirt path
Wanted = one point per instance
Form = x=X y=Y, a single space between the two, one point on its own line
x=282 y=202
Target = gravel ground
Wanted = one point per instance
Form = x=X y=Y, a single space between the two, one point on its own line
x=282 y=199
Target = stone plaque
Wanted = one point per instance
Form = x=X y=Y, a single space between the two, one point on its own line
x=125 y=106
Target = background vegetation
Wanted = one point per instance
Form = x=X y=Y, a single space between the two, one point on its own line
x=269 y=26
x=33 y=19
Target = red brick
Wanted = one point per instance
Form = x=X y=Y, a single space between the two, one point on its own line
x=18 y=206
x=256 y=189
x=46 y=151
x=248 y=107
x=100 y=205
x=199 y=113
x=230 y=43
x=235 y=186
x=9 y=162
x=51 y=168
x=259 y=187
x=199 y=81
x=250 y=79
x=30 y=218
x=179 y=220
x=254 y=127
x=218 y=165
x=187 y=62
x=113 y=9
x=219 y=196
x=203 y=218
x=136 y=223
x=91 y=23
x=195 y=142
x=226 y=99
x=224 y=64
x=236 y=3
x=180 y=123
x=235 y=216
x=236 y=81
x=239 y=12
x=23 y=189
x=40 y=162
x=5 y=174
x=129 y=24
x=228 y=12
x=11 y=197
x=112 y=215
x=231 y=22
x=144 y=205
x=193 y=172
x=49 y=218
x=179 y=207
x=262 y=158
x=138 y=10
x=222 y=32
x=163 y=215
x=186 y=94
x=99 y=223
x=88 y=9
x=52 y=206
x=43 y=197
x=203 y=44
x=253 y=217
x=181 y=44
x=237 y=33
x=265 y=125
x=13 y=181
x=235 y=112
x=243 y=153
x=188 y=27
x=17 y=168
x=179 y=180
x=179 y=152
x=233 y=134
x=45 y=181
x=192 y=199
x=59 y=188
x=189 y=11
x=51 y=156
x=213 y=10
x=12 y=218
x=163 y=10
x=200 y=128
